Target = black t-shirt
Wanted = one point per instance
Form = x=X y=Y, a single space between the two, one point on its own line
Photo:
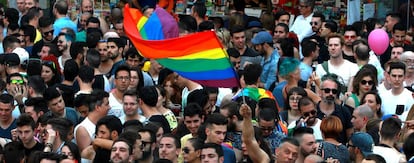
x=99 y=82
x=342 y=112
x=67 y=94
x=37 y=147
x=102 y=156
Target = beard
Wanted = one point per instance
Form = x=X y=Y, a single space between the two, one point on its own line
x=330 y=99
x=311 y=121
x=231 y=127
x=146 y=154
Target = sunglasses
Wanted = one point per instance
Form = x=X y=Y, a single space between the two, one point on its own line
x=16 y=81
x=369 y=82
x=50 y=64
x=48 y=32
x=307 y=114
x=349 y=37
x=186 y=150
x=313 y=23
x=327 y=90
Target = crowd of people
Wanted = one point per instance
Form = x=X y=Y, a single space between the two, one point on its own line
x=77 y=90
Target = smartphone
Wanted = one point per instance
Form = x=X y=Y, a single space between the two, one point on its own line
x=399 y=109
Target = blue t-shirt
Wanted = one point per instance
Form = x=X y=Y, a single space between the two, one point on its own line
x=269 y=65
x=6 y=133
x=229 y=155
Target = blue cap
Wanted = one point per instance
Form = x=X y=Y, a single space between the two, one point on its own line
x=262 y=37
x=363 y=141
x=254 y=24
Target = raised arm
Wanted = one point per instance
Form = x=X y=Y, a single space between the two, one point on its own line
x=256 y=154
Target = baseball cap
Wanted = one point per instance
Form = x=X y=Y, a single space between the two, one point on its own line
x=262 y=37
x=254 y=24
x=22 y=53
x=363 y=141
x=11 y=59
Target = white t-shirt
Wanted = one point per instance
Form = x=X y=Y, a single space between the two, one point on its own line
x=117 y=108
x=316 y=128
x=390 y=101
x=346 y=70
x=302 y=27
x=390 y=155
x=89 y=126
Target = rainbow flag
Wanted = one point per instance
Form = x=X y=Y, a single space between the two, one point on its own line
x=254 y=93
x=199 y=57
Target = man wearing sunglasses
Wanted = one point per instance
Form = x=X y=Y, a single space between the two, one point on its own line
x=46 y=29
x=350 y=35
x=329 y=91
x=308 y=117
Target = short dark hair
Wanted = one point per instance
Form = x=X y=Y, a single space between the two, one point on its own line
x=86 y=74
x=304 y=101
x=394 y=15
x=7 y=99
x=216 y=147
x=117 y=41
x=71 y=70
x=8 y=41
x=45 y=21
x=319 y=15
x=149 y=95
x=266 y=114
x=193 y=109
x=177 y=142
x=397 y=65
x=199 y=96
x=308 y=47
x=132 y=125
x=351 y=28
x=376 y=158
x=51 y=93
x=232 y=109
x=289 y=140
x=8 y=78
x=29 y=30
x=331 y=25
x=130 y=146
x=33 y=12
x=285 y=26
x=390 y=128
x=152 y=134
x=93 y=20
x=25 y=120
x=122 y=67
x=96 y=98
x=61 y=7
x=216 y=119
x=133 y=53
x=236 y=29
x=200 y=9
x=76 y=48
x=60 y=125
x=130 y=136
x=280 y=13
x=111 y=122
x=252 y=73
x=38 y=103
x=93 y=58
x=399 y=27
x=12 y=15
x=37 y=83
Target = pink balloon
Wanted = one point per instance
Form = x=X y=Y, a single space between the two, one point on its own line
x=378 y=41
